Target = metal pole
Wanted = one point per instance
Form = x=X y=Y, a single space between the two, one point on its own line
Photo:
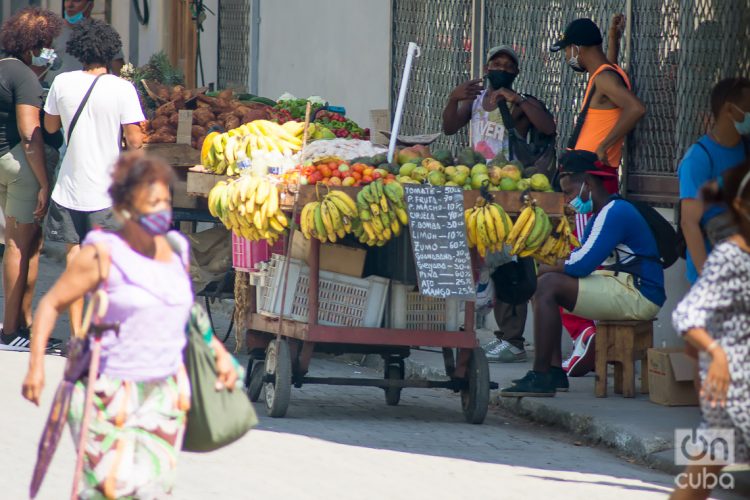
x=254 y=46
x=412 y=52
x=626 y=67
x=477 y=37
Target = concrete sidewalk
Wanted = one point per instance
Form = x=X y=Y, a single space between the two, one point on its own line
x=634 y=428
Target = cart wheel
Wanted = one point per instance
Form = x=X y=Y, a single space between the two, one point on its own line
x=475 y=396
x=278 y=364
x=393 y=394
x=255 y=383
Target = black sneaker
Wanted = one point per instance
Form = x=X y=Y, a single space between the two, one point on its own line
x=534 y=384
x=21 y=341
x=559 y=379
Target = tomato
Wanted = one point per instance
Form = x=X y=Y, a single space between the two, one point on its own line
x=333 y=164
x=358 y=167
x=357 y=176
x=376 y=175
x=366 y=179
x=368 y=171
x=325 y=172
x=336 y=174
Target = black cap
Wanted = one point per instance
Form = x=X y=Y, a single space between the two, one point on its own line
x=577 y=161
x=580 y=32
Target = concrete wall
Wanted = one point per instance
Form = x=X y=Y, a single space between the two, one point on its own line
x=338 y=49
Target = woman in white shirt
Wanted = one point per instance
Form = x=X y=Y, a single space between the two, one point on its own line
x=80 y=201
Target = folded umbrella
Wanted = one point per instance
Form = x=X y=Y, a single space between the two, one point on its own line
x=78 y=363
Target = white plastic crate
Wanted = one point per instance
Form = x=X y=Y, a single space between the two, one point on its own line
x=413 y=311
x=343 y=300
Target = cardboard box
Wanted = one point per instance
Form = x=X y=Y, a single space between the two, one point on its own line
x=670 y=378
x=334 y=258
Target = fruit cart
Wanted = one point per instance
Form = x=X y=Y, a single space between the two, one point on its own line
x=282 y=347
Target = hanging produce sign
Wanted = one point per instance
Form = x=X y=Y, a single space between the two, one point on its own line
x=438 y=235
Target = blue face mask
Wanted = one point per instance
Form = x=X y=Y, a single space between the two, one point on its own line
x=743 y=127
x=580 y=206
x=74 y=19
x=45 y=58
x=156 y=223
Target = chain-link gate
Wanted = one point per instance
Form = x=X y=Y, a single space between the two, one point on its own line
x=678 y=50
x=531 y=27
x=234 y=44
x=681 y=49
x=442 y=29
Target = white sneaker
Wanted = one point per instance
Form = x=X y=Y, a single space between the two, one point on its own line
x=505 y=352
x=581 y=361
x=489 y=346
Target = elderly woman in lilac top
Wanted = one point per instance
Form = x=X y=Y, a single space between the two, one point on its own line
x=142 y=392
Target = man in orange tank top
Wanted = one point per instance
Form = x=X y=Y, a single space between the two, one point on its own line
x=608 y=113
x=613 y=109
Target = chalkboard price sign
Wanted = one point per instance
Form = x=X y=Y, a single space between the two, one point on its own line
x=438 y=235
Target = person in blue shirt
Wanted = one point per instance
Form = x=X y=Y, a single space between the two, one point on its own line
x=720 y=149
x=615 y=275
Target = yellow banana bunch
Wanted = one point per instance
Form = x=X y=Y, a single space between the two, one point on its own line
x=381 y=211
x=330 y=219
x=224 y=153
x=558 y=245
x=487 y=227
x=250 y=207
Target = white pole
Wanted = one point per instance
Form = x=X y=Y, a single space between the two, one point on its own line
x=412 y=51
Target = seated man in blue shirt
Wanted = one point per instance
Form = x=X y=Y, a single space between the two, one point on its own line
x=719 y=150
x=615 y=275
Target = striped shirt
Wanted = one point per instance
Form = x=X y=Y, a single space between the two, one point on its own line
x=619 y=239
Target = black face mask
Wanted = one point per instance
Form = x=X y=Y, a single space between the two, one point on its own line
x=500 y=79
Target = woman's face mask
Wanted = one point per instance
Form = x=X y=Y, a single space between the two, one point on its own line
x=154 y=223
x=45 y=58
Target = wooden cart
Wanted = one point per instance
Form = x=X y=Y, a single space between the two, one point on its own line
x=281 y=349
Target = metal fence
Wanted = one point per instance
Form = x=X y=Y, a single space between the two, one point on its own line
x=234 y=44
x=442 y=29
x=678 y=50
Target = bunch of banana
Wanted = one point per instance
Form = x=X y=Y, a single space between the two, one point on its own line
x=249 y=206
x=382 y=213
x=330 y=219
x=487 y=226
x=221 y=153
x=531 y=230
x=558 y=245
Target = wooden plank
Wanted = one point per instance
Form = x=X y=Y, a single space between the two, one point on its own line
x=177 y=155
x=185 y=126
x=293 y=329
x=200 y=183
x=552 y=203
x=653 y=188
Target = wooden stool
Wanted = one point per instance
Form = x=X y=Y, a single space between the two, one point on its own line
x=622 y=343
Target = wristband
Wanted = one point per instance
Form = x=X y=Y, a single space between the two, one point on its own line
x=713 y=345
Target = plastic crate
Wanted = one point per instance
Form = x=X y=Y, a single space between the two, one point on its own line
x=411 y=310
x=246 y=254
x=343 y=300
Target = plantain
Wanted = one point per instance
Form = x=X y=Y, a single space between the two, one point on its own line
x=320 y=227
x=523 y=218
x=489 y=221
x=344 y=203
x=328 y=223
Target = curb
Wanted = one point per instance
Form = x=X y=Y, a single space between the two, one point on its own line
x=654 y=452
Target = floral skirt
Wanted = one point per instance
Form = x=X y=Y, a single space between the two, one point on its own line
x=134 y=435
